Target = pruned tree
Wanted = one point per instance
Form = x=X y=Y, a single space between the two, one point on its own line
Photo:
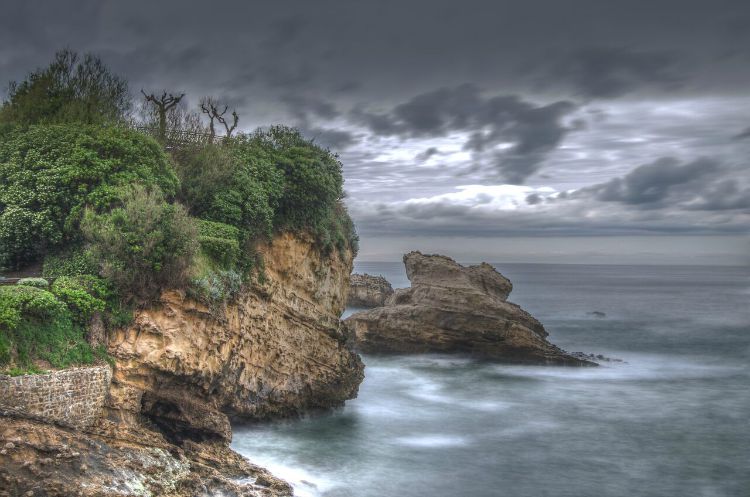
x=210 y=107
x=163 y=104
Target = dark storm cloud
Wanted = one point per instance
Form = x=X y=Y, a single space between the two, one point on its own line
x=334 y=139
x=605 y=72
x=531 y=130
x=743 y=134
x=701 y=184
x=653 y=184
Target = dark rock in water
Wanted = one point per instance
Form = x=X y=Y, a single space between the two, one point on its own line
x=595 y=357
x=452 y=308
x=597 y=314
x=368 y=291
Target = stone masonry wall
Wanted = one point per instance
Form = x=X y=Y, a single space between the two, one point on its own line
x=71 y=397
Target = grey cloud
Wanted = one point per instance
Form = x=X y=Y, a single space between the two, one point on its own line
x=743 y=134
x=307 y=106
x=609 y=72
x=334 y=139
x=424 y=156
x=652 y=184
x=702 y=184
x=533 y=130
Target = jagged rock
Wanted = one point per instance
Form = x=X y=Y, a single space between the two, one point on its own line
x=451 y=308
x=368 y=291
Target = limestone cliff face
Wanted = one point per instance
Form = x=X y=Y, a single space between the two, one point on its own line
x=277 y=350
x=181 y=371
x=454 y=309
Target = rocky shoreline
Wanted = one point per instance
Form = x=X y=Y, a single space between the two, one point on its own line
x=160 y=425
x=180 y=372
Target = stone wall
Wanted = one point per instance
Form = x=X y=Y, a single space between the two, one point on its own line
x=71 y=397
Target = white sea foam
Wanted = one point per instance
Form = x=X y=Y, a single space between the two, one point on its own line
x=433 y=441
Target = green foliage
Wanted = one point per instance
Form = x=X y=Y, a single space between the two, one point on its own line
x=82 y=295
x=50 y=173
x=219 y=242
x=337 y=231
x=36 y=325
x=217 y=230
x=145 y=245
x=235 y=183
x=204 y=170
x=69 y=90
x=312 y=177
x=17 y=302
x=269 y=180
x=223 y=251
x=72 y=262
x=216 y=286
x=35 y=282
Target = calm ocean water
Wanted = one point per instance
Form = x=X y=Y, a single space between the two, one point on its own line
x=673 y=420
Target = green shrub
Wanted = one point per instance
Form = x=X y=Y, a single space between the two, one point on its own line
x=50 y=173
x=73 y=262
x=224 y=251
x=81 y=298
x=204 y=170
x=70 y=89
x=35 y=282
x=36 y=325
x=217 y=230
x=313 y=182
x=145 y=245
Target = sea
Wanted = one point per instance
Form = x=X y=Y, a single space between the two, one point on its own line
x=672 y=419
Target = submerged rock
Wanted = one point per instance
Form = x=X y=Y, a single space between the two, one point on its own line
x=452 y=308
x=368 y=291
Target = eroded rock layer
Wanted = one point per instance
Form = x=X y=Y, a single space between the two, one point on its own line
x=454 y=309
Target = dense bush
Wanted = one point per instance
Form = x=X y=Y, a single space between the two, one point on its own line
x=71 y=262
x=36 y=325
x=204 y=170
x=312 y=176
x=50 y=173
x=70 y=89
x=83 y=295
x=224 y=251
x=35 y=282
x=144 y=245
x=217 y=230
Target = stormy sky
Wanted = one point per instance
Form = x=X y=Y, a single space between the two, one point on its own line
x=557 y=131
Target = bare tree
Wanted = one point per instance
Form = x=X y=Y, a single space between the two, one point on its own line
x=211 y=107
x=163 y=104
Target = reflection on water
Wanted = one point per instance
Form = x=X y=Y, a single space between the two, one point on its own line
x=670 y=421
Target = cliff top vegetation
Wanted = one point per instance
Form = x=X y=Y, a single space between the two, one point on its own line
x=121 y=205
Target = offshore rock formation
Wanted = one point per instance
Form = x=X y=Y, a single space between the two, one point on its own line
x=451 y=308
x=181 y=371
x=368 y=291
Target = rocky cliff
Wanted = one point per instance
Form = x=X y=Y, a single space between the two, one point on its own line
x=182 y=370
x=450 y=308
x=368 y=291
